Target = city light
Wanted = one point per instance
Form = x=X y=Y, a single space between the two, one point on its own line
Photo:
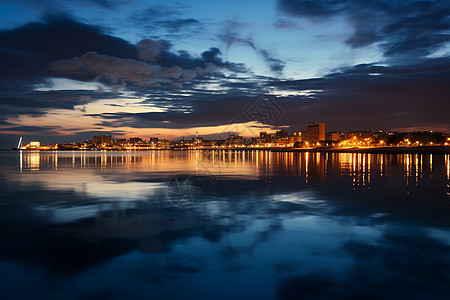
x=314 y=136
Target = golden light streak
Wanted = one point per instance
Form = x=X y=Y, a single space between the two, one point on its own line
x=447 y=158
x=306 y=166
x=416 y=160
x=431 y=162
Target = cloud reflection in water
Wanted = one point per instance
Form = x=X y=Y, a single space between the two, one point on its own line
x=278 y=225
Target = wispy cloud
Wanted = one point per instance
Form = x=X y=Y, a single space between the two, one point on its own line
x=405 y=30
x=231 y=35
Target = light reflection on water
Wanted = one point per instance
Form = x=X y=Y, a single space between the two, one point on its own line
x=360 y=166
x=262 y=225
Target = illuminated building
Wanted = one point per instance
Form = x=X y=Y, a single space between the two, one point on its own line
x=265 y=137
x=135 y=140
x=314 y=137
x=120 y=141
x=33 y=145
x=315 y=132
x=292 y=139
x=102 y=139
x=281 y=133
x=333 y=136
x=197 y=140
x=298 y=133
x=234 y=139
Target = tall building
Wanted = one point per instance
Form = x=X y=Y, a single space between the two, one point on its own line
x=234 y=139
x=315 y=132
x=265 y=137
x=281 y=133
x=102 y=139
x=120 y=141
x=135 y=140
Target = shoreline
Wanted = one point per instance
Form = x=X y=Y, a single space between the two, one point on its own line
x=375 y=150
x=378 y=150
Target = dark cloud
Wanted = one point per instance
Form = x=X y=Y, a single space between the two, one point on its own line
x=411 y=28
x=150 y=50
x=167 y=21
x=28 y=50
x=230 y=36
x=155 y=66
x=176 y=24
x=62 y=47
x=110 y=4
x=276 y=65
x=52 y=99
x=45 y=6
x=372 y=96
x=286 y=24
x=161 y=11
x=183 y=113
x=309 y=8
x=110 y=69
x=36 y=129
x=375 y=97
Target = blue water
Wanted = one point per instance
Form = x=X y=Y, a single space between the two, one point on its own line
x=223 y=225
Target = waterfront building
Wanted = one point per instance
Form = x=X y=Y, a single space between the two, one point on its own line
x=102 y=139
x=265 y=137
x=281 y=133
x=333 y=136
x=315 y=132
x=135 y=140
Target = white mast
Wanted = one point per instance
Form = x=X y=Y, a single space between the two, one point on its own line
x=19 y=145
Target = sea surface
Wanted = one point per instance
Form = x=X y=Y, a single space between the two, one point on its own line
x=223 y=225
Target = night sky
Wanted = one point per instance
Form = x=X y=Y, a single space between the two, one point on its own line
x=72 y=69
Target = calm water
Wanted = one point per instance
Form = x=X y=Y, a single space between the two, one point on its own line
x=224 y=225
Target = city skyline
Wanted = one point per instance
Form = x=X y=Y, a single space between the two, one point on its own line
x=170 y=69
x=291 y=132
x=313 y=138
